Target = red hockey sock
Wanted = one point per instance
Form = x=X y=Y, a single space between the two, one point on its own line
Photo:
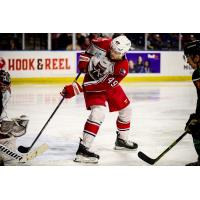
x=123 y=128
x=91 y=127
x=90 y=131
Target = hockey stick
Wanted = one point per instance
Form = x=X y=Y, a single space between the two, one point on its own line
x=23 y=149
x=152 y=161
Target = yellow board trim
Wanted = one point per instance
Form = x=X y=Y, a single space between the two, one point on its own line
x=129 y=79
x=157 y=78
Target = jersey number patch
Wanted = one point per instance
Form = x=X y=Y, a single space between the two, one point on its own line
x=112 y=82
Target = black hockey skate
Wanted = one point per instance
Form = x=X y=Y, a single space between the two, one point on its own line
x=83 y=155
x=121 y=144
x=197 y=163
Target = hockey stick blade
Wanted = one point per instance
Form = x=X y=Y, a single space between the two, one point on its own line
x=35 y=153
x=145 y=158
x=153 y=161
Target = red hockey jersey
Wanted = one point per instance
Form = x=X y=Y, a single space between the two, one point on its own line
x=115 y=72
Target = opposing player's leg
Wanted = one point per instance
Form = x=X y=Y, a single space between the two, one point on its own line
x=193 y=127
x=91 y=128
x=196 y=142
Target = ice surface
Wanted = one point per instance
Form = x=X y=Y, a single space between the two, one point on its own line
x=160 y=111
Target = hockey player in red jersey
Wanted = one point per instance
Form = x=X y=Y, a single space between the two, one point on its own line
x=105 y=65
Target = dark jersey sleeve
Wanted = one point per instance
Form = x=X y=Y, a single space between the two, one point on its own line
x=198 y=103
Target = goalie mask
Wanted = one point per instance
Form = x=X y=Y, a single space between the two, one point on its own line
x=5 y=80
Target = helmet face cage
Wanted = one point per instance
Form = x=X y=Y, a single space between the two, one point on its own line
x=3 y=87
x=5 y=80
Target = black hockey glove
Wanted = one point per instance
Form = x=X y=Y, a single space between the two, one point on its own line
x=193 y=125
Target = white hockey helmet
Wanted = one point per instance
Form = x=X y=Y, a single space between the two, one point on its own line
x=121 y=44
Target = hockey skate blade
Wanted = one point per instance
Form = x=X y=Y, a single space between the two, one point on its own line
x=82 y=159
x=124 y=149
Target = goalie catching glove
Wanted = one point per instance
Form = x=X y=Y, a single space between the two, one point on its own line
x=72 y=90
x=14 y=127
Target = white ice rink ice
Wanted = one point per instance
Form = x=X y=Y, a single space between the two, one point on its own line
x=160 y=111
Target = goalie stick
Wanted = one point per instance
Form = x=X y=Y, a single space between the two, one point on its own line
x=23 y=158
x=23 y=149
x=152 y=161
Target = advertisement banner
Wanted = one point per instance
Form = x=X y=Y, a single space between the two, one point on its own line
x=27 y=64
x=173 y=64
x=143 y=62
x=38 y=63
x=140 y=62
x=77 y=60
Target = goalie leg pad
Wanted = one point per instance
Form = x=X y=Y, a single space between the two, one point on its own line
x=10 y=143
